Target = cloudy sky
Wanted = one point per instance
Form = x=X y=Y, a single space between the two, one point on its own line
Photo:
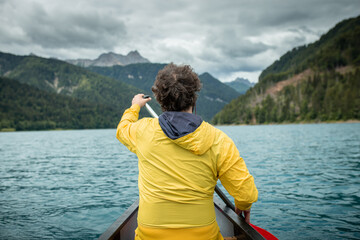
x=227 y=38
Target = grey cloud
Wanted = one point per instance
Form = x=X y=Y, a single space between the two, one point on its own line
x=219 y=64
x=243 y=48
x=211 y=35
x=308 y=30
x=227 y=67
x=280 y=17
x=239 y=65
x=295 y=40
x=66 y=28
x=303 y=30
x=232 y=45
x=176 y=54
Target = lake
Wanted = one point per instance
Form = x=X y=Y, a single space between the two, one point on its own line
x=75 y=184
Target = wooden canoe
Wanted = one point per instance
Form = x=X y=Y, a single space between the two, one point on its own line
x=231 y=225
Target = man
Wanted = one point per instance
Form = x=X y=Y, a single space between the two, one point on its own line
x=181 y=158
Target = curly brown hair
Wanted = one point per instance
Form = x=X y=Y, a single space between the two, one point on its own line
x=176 y=87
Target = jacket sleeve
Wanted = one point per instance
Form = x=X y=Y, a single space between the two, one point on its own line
x=235 y=177
x=126 y=129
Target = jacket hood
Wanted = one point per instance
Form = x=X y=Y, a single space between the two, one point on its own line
x=188 y=131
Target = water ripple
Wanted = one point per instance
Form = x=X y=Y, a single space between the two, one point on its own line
x=308 y=178
x=74 y=184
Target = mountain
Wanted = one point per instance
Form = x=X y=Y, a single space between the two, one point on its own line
x=141 y=75
x=212 y=98
x=24 y=107
x=111 y=59
x=241 y=85
x=62 y=78
x=315 y=82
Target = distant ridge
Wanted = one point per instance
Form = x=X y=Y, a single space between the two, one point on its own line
x=110 y=59
x=213 y=96
x=241 y=85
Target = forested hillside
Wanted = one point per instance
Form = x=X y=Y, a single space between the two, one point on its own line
x=23 y=107
x=64 y=79
x=60 y=77
x=317 y=82
x=213 y=96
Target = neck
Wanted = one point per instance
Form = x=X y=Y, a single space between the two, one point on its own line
x=189 y=110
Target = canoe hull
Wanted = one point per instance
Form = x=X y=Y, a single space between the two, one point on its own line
x=230 y=224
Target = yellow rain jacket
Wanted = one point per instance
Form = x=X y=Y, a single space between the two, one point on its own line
x=178 y=174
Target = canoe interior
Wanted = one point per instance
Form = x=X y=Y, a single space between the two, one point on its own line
x=230 y=224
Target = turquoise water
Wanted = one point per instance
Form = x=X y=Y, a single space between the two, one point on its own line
x=74 y=184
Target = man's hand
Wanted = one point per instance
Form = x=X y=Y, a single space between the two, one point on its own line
x=139 y=100
x=246 y=214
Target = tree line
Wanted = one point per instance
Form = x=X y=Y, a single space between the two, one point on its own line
x=328 y=96
x=23 y=107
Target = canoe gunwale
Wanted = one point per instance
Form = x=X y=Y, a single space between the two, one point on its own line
x=113 y=232
x=239 y=222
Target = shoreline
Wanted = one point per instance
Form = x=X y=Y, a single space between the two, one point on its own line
x=4 y=130
x=294 y=123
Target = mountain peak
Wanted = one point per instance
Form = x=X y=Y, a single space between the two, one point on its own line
x=110 y=54
x=206 y=74
x=111 y=59
x=243 y=80
x=133 y=53
x=241 y=85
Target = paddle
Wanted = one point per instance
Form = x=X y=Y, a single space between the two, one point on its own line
x=267 y=235
x=220 y=193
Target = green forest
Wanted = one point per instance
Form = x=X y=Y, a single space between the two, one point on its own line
x=324 y=97
x=69 y=97
x=56 y=76
x=23 y=107
x=330 y=93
